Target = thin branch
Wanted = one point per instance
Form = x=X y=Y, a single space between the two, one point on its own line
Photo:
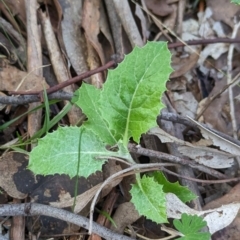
x=25 y=99
x=68 y=82
x=175 y=118
x=170 y=158
x=185 y=121
x=229 y=80
x=201 y=180
x=204 y=41
x=33 y=209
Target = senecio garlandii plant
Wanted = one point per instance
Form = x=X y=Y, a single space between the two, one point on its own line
x=126 y=107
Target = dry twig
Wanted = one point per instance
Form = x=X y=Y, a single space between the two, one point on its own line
x=35 y=209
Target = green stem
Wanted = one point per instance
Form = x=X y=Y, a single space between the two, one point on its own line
x=78 y=169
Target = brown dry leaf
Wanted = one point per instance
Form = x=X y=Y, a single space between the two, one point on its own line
x=108 y=170
x=59 y=65
x=7 y=49
x=231 y=232
x=144 y=23
x=209 y=157
x=200 y=153
x=223 y=10
x=194 y=86
x=12 y=164
x=128 y=22
x=183 y=65
x=126 y=186
x=71 y=37
x=60 y=188
x=19 y=182
x=107 y=48
x=17 y=9
x=105 y=33
x=203 y=142
x=94 y=62
x=55 y=13
x=95 y=24
x=217 y=114
x=232 y=196
x=170 y=20
x=177 y=84
x=94 y=237
x=90 y=23
x=184 y=103
x=159 y=7
x=83 y=199
x=18 y=111
x=216 y=218
x=125 y=214
x=12 y=79
x=214 y=118
x=166 y=138
x=212 y=50
x=108 y=207
x=34 y=60
x=218 y=141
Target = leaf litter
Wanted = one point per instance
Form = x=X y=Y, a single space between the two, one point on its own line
x=199 y=74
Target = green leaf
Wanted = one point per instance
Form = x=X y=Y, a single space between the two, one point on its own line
x=130 y=101
x=87 y=98
x=57 y=152
x=236 y=2
x=190 y=226
x=183 y=193
x=126 y=107
x=149 y=199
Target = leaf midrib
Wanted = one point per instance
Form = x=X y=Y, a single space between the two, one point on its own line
x=125 y=138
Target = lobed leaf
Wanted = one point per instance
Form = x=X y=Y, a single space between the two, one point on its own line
x=130 y=101
x=190 y=226
x=236 y=2
x=126 y=107
x=87 y=98
x=149 y=199
x=183 y=193
x=58 y=152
